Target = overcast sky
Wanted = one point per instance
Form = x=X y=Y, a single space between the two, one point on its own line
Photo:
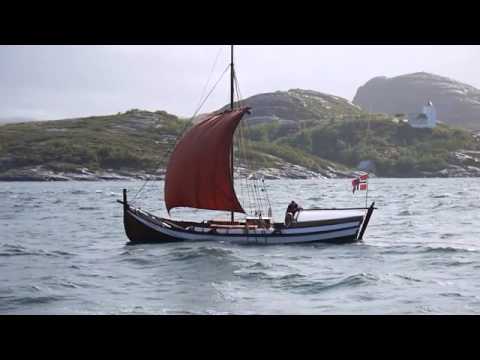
x=52 y=82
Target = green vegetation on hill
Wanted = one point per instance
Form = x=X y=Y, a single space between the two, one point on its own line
x=266 y=154
x=132 y=140
x=396 y=148
x=305 y=128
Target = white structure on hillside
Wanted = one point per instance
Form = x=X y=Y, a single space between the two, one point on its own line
x=426 y=119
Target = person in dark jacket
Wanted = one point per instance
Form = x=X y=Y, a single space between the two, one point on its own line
x=292 y=209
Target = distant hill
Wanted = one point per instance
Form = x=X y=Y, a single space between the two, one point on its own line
x=132 y=140
x=297 y=105
x=294 y=134
x=17 y=119
x=130 y=144
x=457 y=103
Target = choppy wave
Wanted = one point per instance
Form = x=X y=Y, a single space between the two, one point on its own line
x=444 y=249
x=19 y=250
x=62 y=250
x=440 y=196
x=34 y=300
x=78 y=192
x=451 y=294
x=201 y=252
x=140 y=261
x=259 y=265
x=315 y=287
x=408 y=278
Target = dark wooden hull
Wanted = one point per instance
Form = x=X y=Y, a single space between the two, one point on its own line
x=137 y=232
x=142 y=227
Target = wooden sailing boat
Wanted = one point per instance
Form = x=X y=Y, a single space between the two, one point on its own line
x=200 y=175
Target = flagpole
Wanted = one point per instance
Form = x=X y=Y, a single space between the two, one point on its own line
x=368 y=143
x=366 y=194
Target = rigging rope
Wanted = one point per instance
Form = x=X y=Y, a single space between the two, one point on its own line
x=255 y=191
x=243 y=153
x=258 y=198
x=211 y=73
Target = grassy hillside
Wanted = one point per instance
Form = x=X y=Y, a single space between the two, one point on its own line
x=306 y=128
x=133 y=140
x=396 y=148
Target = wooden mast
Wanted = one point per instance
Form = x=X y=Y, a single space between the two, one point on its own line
x=232 y=74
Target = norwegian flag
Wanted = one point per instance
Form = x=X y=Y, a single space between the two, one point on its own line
x=360 y=183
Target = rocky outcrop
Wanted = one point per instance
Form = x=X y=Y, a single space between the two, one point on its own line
x=292 y=106
x=291 y=171
x=461 y=164
x=456 y=103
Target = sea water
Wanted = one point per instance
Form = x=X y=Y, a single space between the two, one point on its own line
x=63 y=250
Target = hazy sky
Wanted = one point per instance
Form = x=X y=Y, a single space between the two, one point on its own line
x=52 y=82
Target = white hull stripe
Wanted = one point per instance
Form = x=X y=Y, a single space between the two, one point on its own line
x=285 y=232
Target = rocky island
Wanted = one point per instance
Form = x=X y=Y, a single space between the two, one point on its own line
x=296 y=134
x=457 y=104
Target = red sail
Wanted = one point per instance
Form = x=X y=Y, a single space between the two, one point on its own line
x=198 y=174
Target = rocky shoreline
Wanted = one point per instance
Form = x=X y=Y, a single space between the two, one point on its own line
x=464 y=164
x=41 y=174
x=287 y=171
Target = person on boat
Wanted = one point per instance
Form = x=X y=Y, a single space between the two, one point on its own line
x=292 y=209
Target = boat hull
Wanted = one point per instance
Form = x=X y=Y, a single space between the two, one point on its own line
x=142 y=227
